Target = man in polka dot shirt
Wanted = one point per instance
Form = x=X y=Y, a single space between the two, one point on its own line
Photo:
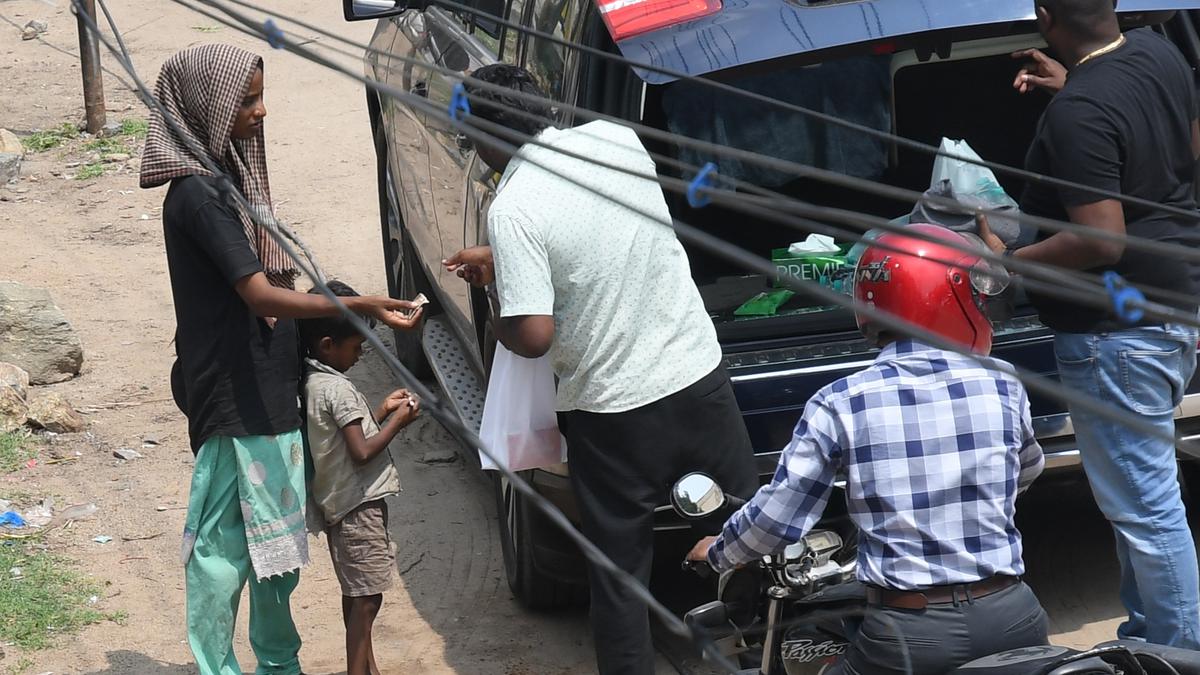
x=585 y=267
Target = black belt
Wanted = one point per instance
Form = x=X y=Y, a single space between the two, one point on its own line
x=938 y=595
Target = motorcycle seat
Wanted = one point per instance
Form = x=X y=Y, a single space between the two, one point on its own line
x=1018 y=661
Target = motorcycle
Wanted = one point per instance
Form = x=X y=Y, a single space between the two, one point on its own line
x=792 y=613
x=785 y=615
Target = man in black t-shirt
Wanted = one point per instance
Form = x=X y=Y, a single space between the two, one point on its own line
x=1122 y=120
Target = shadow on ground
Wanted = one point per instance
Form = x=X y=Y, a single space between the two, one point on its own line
x=125 y=662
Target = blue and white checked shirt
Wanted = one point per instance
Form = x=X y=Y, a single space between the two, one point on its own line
x=934 y=448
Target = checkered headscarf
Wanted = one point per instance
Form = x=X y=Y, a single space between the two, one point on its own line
x=202 y=88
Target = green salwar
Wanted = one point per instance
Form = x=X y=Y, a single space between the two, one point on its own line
x=235 y=490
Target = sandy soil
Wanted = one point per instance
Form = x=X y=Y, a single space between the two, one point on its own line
x=97 y=245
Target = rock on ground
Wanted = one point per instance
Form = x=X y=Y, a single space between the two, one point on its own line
x=35 y=335
x=13 y=411
x=10 y=167
x=33 y=29
x=54 y=413
x=15 y=377
x=10 y=143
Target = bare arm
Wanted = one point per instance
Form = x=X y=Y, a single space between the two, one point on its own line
x=1076 y=252
x=363 y=449
x=527 y=336
x=266 y=300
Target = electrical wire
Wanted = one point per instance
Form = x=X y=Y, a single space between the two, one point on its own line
x=1088 y=290
x=726 y=88
x=436 y=407
x=484 y=130
x=808 y=210
x=700 y=238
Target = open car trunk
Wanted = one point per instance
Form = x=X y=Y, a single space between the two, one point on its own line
x=966 y=96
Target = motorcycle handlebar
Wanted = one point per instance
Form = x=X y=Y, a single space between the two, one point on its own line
x=700 y=568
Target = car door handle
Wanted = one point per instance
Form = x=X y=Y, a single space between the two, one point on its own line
x=420 y=89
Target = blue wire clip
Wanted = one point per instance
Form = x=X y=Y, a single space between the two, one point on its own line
x=273 y=33
x=705 y=179
x=460 y=107
x=1122 y=295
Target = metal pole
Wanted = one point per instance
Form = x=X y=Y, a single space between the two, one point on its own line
x=89 y=61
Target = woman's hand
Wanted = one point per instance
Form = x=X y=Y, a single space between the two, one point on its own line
x=397 y=314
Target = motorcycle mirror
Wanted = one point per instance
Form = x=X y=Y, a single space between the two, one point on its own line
x=697 y=495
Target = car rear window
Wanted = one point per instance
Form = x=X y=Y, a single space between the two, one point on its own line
x=892 y=92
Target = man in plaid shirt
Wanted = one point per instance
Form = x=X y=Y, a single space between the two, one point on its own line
x=935 y=447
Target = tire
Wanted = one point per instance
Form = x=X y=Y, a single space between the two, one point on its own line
x=520 y=526
x=404 y=276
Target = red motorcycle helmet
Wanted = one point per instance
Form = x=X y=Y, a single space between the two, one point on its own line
x=939 y=287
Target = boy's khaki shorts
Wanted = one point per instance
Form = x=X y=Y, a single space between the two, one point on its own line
x=362 y=553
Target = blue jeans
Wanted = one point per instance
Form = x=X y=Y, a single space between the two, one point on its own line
x=1133 y=477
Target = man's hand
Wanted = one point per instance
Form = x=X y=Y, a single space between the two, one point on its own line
x=473 y=265
x=699 y=552
x=397 y=314
x=1042 y=72
x=985 y=233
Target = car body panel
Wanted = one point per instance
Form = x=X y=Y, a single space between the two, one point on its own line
x=749 y=31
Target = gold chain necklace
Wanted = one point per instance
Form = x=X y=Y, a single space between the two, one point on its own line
x=1106 y=49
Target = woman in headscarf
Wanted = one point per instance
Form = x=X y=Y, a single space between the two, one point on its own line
x=237 y=374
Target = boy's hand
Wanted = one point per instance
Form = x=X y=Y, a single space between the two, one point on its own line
x=396 y=400
x=473 y=265
x=408 y=411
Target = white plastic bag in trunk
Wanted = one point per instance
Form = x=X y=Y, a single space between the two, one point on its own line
x=519 y=424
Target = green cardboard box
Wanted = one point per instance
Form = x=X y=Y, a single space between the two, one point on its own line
x=819 y=267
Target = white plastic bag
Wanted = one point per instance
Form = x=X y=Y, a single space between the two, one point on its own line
x=519 y=424
x=968 y=180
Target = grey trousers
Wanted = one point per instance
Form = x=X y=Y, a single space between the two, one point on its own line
x=943 y=637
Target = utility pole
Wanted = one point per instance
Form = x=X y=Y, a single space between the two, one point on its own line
x=89 y=61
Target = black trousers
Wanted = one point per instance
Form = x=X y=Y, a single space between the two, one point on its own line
x=943 y=637
x=623 y=466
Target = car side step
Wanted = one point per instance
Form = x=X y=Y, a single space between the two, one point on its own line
x=453 y=371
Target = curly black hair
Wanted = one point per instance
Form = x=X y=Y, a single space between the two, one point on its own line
x=524 y=116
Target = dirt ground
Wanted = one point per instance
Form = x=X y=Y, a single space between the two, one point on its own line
x=97 y=245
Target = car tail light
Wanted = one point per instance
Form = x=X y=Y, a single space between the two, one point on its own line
x=626 y=18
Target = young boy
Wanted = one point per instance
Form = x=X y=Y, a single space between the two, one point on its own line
x=354 y=472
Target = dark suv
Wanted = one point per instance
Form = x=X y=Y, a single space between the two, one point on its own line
x=924 y=69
